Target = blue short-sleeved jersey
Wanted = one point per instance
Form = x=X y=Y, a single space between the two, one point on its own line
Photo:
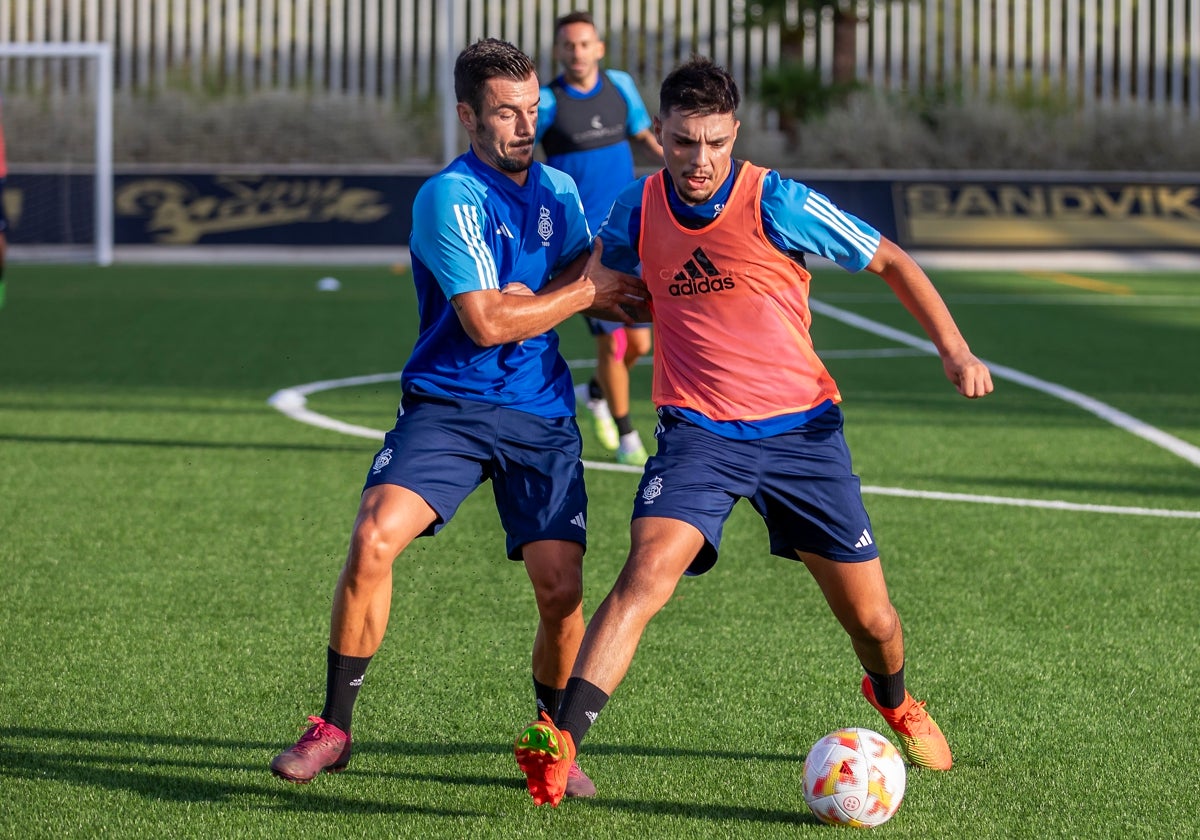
x=596 y=151
x=474 y=229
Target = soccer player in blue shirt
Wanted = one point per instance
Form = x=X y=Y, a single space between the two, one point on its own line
x=500 y=255
x=586 y=122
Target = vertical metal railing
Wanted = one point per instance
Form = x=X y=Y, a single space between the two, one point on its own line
x=1089 y=52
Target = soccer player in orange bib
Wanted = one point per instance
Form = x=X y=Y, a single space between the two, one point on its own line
x=746 y=408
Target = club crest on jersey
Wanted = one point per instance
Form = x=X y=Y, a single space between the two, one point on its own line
x=545 y=226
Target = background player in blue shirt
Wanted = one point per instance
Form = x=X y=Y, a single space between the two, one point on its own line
x=586 y=120
x=499 y=257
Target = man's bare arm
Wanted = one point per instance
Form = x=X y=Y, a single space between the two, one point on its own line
x=915 y=290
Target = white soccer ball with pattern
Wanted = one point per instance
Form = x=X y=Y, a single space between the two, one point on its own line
x=854 y=777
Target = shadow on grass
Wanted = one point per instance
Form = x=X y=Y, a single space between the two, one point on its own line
x=77 y=758
x=66 y=759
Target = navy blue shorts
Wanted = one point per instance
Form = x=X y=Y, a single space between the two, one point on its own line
x=442 y=449
x=3 y=216
x=598 y=328
x=800 y=482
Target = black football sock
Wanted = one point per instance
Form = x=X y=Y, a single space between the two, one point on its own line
x=581 y=705
x=343 y=679
x=624 y=424
x=547 y=698
x=594 y=391
x=889 y=690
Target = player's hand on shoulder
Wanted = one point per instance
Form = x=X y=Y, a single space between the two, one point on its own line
x=515 y=287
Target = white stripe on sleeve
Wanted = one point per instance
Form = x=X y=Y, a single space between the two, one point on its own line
x=823 y=209
x=467 y=216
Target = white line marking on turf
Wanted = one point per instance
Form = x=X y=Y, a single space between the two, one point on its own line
x=1102 y=410
x=1047 y=299
x=293 y=402
x=1033 y=503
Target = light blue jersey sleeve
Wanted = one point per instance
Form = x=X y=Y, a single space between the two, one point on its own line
x=801 y=219
x=622 y=229
x=547 y=111
x=579 y=234
x=638 y=118
x=448 y=237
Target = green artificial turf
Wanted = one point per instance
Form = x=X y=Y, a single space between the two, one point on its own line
x=169 y=543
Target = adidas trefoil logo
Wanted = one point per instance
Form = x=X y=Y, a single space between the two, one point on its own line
x=699 y=276
x=591 y=716
x=357 y=681
x=864 y=541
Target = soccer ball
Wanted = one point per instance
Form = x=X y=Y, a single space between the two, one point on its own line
x=854 y=777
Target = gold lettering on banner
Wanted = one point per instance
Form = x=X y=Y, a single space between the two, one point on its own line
x=14 y=204
x=179 y=215
x=1050 y=214
x=1015 y=201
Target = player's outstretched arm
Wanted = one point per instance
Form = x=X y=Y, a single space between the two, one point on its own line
x=916 y=291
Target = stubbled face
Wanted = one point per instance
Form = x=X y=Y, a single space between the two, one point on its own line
x=698 y=151
x=503 y=131
x=578 y=48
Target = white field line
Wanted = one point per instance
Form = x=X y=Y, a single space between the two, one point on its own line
x=1030 y=503
x=1105 y=412
x=293 y=402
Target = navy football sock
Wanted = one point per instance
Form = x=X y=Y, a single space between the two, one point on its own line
x=343 y=679
x=889 y=689
x=581 y=705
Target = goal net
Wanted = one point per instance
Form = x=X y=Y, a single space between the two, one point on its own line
x=56 y=111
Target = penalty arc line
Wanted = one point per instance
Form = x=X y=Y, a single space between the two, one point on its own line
x=293 y=403
x=1105 y=412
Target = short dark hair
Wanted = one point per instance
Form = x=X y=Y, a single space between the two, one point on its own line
x=574 y=17
x=700 y=87
x=488 y=58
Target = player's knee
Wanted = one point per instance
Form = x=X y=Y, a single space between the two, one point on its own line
x=638 y=344
x=875 y=623
x=373 y=549
x=559 y=598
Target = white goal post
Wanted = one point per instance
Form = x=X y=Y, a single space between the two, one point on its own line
x=99 y=55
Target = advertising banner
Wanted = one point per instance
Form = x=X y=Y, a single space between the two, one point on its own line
x=264 y=209
x=1056 y=214
x=311 y=208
